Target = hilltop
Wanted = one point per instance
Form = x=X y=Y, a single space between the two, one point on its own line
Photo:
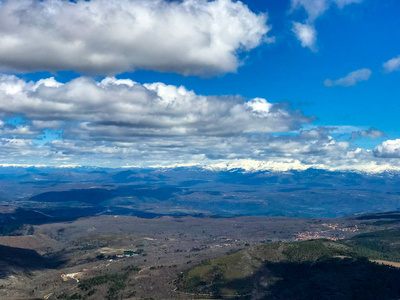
x=315 y=269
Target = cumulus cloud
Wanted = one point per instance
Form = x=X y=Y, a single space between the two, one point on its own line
x=388 y=149
x=113 y=36
x=351 y=79
x=116 y=122
x=305 y=32
x=392 y=65
x=114 y=108
x=9 y=130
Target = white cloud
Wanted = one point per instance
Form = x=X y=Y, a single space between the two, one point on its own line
x=371 y=133
x=22 y=151
x=351 y=79
x=388 y=149
x=113 y=36
x=312 y=149
x=11 y=130
x=118 y=122
x=392 y=65
x=114 y=109
x=314 y=8
x=298 y=151
x=306 y=34
x=164 y=150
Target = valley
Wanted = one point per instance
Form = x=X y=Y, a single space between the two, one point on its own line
x=89 y=257
x=87 y=233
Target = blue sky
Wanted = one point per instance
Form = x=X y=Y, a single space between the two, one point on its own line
x=331 y=69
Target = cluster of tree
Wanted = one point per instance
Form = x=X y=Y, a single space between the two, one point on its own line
x=116 y=283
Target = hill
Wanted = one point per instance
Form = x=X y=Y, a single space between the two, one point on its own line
x=316 y=269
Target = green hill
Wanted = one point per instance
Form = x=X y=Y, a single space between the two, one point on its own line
x=317 y=269
x=383 y=244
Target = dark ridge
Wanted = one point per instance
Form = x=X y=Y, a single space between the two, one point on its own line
x=385 y=215
x=96 y=195
x=333 y=278
x=92 y=196
x=28 y=260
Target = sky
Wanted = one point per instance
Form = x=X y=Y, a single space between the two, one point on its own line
x=257 y=84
